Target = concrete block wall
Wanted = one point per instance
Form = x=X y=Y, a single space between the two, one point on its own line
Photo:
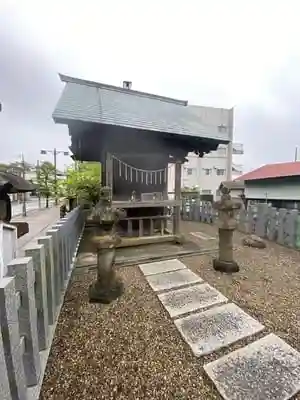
x=31 y=295
x=278 y=225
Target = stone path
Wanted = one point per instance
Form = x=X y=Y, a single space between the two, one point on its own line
x=267 y=369
x=202 y=236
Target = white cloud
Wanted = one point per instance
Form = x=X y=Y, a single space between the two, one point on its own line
x=219 y=53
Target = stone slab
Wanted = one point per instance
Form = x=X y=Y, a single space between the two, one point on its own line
x=268 y=369
x=190 y=299
x=202 y=236
x=173 y=279
x=160 y=267
x=218 y=327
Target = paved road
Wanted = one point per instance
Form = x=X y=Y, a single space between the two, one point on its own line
x=31 y=205
x=38 y=222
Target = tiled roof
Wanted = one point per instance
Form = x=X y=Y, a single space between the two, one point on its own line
x=268 y=171
x=89 y=101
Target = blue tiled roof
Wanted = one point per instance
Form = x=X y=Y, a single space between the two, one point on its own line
x=99 y=103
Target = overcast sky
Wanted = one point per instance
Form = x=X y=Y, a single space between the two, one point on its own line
x=242 y=53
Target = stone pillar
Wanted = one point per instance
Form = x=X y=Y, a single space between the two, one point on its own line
x=227 y=224
x=12 y=349
x=22 y=270
x=5 y=392
x=58 y=285
x=62 y=234
x=46 y=241
x=37 y=253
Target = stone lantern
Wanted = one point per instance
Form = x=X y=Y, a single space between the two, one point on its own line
x=107 y=286
x=227 y=209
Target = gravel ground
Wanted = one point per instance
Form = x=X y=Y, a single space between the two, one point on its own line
x=127 y=350
x=267 y=286
x=130 y=349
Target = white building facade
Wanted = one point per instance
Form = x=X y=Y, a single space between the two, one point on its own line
x=207 y=172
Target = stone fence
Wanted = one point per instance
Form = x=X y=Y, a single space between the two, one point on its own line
x=32 y=289
x=279 y=225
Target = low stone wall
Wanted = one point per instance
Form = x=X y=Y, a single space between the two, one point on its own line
x=279 y=225
x=31 y=295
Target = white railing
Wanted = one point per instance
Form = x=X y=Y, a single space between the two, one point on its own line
x=31 y=294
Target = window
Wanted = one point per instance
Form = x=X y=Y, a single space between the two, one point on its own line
x=206 y=191
x=222 y=128
x=207 y=171
x=189 y=171
x=220 y=172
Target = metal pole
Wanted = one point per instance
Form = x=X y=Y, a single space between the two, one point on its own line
x=24 y=194
x=55 y=175
x=296 y=153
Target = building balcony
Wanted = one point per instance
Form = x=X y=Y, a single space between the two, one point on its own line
x=237 y=168
x=237 y=148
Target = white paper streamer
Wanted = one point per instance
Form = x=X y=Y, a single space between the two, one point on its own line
x=146 y=176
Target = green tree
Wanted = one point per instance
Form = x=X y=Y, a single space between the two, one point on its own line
x=82 y=182
x=4 y=167
x=46 y=180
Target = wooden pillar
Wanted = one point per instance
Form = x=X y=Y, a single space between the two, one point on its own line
x=103 y=169
x=176 y=215
x=109 y=173
x=165 y=193
x=109 y=170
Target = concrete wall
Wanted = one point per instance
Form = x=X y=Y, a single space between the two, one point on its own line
x=279 y=225
x=31 y=294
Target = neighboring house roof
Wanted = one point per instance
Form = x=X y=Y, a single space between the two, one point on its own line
x=279 y=170
x=88 y=101
x=233 y=185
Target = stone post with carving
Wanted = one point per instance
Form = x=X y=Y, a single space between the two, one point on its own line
x=227 y=223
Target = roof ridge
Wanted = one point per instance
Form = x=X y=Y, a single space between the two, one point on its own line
x=70 y=79
x=280 y=163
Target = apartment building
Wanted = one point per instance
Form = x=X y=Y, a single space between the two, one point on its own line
x=208 y=172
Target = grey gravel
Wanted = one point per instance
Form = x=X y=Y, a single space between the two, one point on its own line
x=131 y=348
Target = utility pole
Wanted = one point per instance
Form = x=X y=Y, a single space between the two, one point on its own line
x=24 y=194
x=55 y=153
x=55 y=174
x=37 y=171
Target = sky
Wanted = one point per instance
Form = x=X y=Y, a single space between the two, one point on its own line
x=234 y=53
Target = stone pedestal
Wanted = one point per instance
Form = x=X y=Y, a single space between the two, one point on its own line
x=226 y=224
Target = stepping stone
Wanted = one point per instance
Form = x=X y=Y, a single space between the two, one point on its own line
x=173 y=279
x=268 y=369
x=160 y=267
x=216 y=328
x=202 y=236
x=189 y=299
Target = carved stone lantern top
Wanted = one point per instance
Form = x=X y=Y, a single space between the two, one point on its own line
x=227 y=209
